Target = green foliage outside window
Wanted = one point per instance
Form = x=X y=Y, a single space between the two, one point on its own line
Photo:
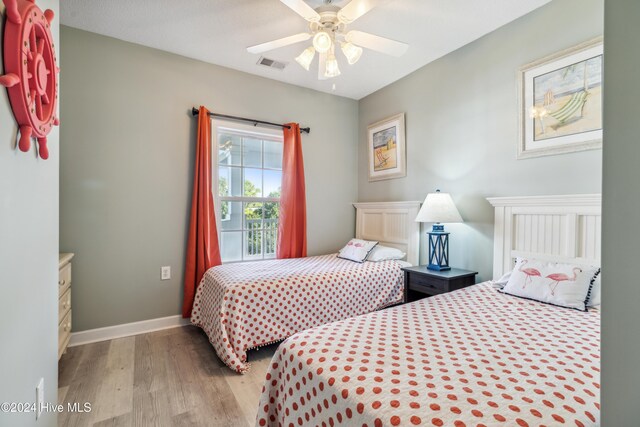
x=253 y=214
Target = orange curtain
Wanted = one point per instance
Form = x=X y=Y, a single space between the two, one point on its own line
x=292 y=227
x=203 y=251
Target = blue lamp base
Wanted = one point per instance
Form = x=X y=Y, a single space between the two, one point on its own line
x=438 y=249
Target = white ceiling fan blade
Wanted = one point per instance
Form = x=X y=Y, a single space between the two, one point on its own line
x=302 y=9
x=275 y=44
x=377 y=43
x=356 y=8
x=322 y=65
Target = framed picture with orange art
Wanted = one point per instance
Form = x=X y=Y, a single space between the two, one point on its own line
x=561 y=102
x=387 y=149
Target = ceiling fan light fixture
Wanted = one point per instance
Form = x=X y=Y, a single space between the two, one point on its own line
x=331 y=69
x=322 y=41
x=352 y=52
x=305 y=58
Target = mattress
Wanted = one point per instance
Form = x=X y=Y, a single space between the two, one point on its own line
x=246 y=305
x=469 y=357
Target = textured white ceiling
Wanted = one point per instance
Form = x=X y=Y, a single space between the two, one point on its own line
x=218 y=32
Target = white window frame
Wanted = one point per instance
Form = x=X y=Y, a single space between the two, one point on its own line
x=224 y=126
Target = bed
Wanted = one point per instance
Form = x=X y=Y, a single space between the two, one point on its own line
x=470 y=357
x=242 y=306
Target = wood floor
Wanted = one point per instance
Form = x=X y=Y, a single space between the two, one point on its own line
x=166 y=378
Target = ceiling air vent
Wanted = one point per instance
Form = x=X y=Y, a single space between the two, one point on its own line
x=271 y=63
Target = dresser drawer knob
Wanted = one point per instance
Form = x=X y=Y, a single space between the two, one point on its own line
x=65 y=305
x=62 y=282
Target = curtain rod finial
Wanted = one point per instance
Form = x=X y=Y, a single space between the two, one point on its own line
x=194 y=111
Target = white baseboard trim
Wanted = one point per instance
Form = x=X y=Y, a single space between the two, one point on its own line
x=126 y=330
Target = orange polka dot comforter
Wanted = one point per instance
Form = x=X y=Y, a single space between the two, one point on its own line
x=246 y=305
x=474 y=357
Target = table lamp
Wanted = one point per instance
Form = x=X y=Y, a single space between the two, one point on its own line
x=438 y=208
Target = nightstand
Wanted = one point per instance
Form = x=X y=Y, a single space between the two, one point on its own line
x=420 y=282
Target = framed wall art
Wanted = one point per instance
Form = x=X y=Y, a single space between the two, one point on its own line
x=560 y=102
x=387 y=149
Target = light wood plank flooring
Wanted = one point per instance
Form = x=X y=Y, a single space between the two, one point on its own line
x=165 y=378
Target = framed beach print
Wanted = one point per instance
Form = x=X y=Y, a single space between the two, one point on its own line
x=387 y=149
x=560 y=99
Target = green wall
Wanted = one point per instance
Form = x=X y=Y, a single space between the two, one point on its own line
x=620 y=213
x=28 y=263
x=126 y=171
x=462 y=128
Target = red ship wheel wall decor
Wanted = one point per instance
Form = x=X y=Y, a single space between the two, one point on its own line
x=31 y=72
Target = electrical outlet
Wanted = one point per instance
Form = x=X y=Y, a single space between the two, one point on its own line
x=39 y=398
x=165 y=273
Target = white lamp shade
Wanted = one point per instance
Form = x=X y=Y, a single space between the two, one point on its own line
x=352 y=52
x=438 y=207
x=322 y=42
x=332 y=69
x=305 y=58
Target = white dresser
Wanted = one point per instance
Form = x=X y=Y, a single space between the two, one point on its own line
x=64 y=302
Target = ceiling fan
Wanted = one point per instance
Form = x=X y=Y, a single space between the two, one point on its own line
x=327 y=25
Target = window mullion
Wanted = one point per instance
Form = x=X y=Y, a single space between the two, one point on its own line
x=250 y=199
x=263 y=235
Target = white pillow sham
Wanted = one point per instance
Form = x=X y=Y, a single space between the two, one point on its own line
x=385 y=253
x=357 y=250
x=563 y=285
x=595 y=299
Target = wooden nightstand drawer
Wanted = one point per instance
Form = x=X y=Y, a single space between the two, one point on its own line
x=64 y=279
x=64 y=305
x=419 y=283
x=64 y=333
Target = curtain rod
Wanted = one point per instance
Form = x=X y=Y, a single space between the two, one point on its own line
x=195 y=112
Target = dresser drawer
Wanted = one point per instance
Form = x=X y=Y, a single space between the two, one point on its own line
x=64 y=279
x=64 y=305
x=428 y=284
x=64 y=333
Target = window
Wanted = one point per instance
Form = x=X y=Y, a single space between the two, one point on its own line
x=249 y=179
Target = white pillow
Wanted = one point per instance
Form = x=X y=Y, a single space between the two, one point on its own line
x=501 y=282
x=357 y=250
x=384 y=253
x=564 y=285
x=596 y=292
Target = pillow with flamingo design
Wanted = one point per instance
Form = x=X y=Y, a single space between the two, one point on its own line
x=594 y=298
x=357 y=250
x=564 y=285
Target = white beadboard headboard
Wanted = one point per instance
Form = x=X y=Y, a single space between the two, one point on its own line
x=391 y=224
x=555 y=228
